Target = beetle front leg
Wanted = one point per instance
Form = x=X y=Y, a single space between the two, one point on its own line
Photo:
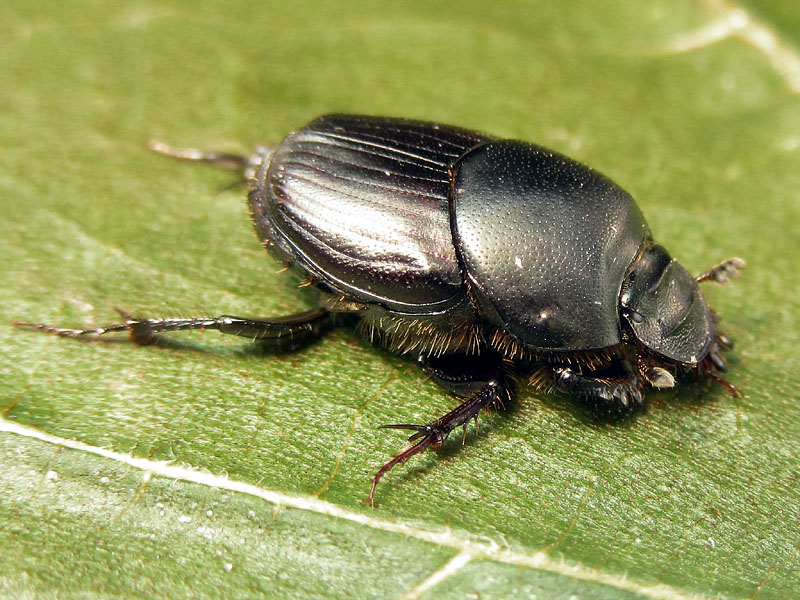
x=283 y=334
x=481 y=379
x=620 y=391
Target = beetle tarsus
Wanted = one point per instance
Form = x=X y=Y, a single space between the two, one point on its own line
x=226 y=160
x=435 y=433
x=231 y=161
x=71 y=333
x=734 y=391
x=714 y=363
x=282 y=334
x=400 y=458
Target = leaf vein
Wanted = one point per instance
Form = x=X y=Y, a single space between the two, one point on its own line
x=463 y=542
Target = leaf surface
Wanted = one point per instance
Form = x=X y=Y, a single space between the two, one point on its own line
x=202 y=467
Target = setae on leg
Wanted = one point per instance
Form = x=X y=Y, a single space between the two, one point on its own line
x=480 y=379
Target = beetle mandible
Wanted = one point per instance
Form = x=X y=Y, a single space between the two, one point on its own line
x=483 y=257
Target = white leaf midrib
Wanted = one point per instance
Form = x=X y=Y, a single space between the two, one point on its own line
x=467 y=546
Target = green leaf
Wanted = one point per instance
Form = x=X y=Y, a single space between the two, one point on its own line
x=200 y=467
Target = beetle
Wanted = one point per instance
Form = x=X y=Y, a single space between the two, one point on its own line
x=485 y=258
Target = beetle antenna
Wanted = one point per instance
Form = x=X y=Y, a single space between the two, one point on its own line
x=724 y=271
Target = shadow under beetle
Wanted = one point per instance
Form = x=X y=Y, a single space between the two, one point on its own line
x=485 y=258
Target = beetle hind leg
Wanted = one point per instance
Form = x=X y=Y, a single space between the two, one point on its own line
x=282 y=334
x=481 y=379
x=234 y=162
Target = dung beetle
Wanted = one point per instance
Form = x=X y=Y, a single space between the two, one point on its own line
x=484 y=258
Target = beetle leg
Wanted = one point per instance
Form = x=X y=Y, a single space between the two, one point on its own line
x=724 y=271
x=481 y=379
x=619 y=391
x=282 y=334
x=435 y=433
x=234 y=162
x=714 y=363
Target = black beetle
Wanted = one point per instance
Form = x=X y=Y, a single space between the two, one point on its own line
x=482 y=257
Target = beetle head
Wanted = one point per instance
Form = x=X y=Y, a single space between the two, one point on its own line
x=665 y=309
